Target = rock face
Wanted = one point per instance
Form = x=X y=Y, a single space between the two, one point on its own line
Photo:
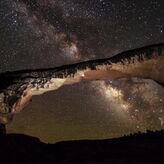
x=17 y=88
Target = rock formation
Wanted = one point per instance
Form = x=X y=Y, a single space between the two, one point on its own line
x=17 y=88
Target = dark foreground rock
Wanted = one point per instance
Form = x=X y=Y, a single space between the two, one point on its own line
x=137 y=148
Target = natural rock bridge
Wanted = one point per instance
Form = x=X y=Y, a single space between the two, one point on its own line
x=17 y=88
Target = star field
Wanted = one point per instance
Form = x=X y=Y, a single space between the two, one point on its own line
x=50 y=33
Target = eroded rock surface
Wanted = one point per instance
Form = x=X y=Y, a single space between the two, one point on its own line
x=17 y=88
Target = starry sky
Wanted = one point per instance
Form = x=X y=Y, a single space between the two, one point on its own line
x=51 y=33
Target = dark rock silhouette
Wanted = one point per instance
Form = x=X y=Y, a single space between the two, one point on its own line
x=137 y=148
x=2 y=129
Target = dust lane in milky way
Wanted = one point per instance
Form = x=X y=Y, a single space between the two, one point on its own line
x=52 y=33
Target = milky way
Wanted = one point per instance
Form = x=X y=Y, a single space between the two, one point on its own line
x=62 y=32
x=50 y=33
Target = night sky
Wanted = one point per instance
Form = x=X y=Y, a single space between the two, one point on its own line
x=50 y=33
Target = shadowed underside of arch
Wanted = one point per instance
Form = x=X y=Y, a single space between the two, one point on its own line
x=17 y=88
